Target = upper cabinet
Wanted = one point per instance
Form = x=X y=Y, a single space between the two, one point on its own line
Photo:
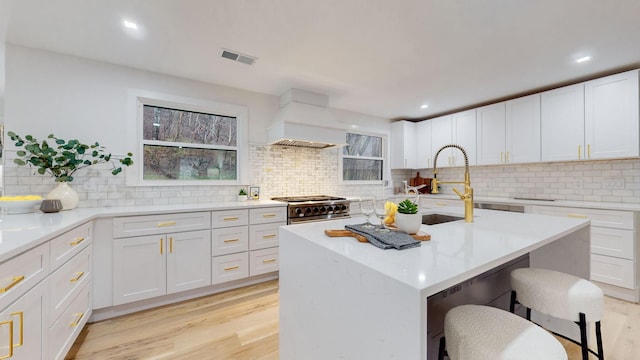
x=597 y=119
x=611 y=116
x=403 y=145
x=460 y=129
x=424 y=157
x=509 y=132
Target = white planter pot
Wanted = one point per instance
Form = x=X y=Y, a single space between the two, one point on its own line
x=242 y=197
x=409 y=223
x=67 y=196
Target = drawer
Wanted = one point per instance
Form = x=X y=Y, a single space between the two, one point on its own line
x=66 y=329
x=268 y=215
x=611 y=270
x=160 y=224
x=612 y=242
x=226 y=218
x=229 y=240
x=21 y=273
x=603 y=218
x=65 y=246
x=263 y=261
x=67 y=281
x=264 y=236
x=436 y=203
x=229 y=267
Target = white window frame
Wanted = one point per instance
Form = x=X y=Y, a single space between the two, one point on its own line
x=384 y=159
x=136 y=101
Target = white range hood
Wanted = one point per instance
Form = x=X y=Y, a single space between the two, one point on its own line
x=293 y=123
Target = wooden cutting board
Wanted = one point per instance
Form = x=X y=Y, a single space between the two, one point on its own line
x=417 y=181
x=348 y=233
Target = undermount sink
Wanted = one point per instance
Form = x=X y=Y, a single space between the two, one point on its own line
x=433 y=219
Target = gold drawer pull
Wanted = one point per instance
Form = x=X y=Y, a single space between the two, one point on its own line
x=161 y=246
x=269 y=236
x=79 y=317
x=166 y=223
x=589 y=151
x=78 y=276
x=268 y=215
x=579 y=151
x=577 y=216
x=14 y=282
x=21 y=338
x=76 y=241
x=10 y=346
x=441 y=204
x=231 y=240
x=230 y=268
x=233 y=218
x=171 y=244
x=266 y=261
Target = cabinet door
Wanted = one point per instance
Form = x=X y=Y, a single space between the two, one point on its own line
x=464 y=134
x=403 y=145
x=424 y=157
x=139 y=268
x=523 y=129
x=562 y=123
x=441 y=134
x=25 y=318
x=611 y=116
x=188 y=260
x=491 y=134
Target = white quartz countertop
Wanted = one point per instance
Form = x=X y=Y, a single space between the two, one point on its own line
x=19 y=233
x=456 y=251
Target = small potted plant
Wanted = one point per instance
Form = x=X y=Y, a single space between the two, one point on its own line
x=242 y=195
x=407 y=218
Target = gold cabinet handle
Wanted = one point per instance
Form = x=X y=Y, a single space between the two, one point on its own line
x=577 y=216
x=269 y=236
x=230 y=268
x=441 y=204
x=78 y=276
x=507 y=157
x=501 y=156
x=233 y=218
x=579 y=151
x=161 y=246
x=268 y=215
x=10 y=350
x=589 y=151
x=14 y=282
x=231 y=240
x=79 y=317
x=20 y=314
x=77 y=241
x=266 y=261
x=171 y=244
x=166 y=223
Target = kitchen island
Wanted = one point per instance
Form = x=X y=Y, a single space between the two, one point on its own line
x=341 y=299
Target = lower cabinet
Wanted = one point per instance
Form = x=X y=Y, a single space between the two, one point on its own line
x=21 y=330
x=155 y=265
x=230 y=267
x=68 y=325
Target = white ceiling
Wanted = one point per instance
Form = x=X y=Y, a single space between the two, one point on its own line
x=379 y=57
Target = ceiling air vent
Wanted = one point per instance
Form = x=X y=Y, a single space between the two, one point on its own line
x=236 y=56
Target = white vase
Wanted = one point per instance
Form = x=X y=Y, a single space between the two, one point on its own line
x=67 y=196
x=242 y=197
x=409 y=223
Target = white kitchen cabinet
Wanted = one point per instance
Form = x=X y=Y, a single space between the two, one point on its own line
x=424 y=157
x=562 y=123
x=64 y=331
x=21 y=326
x=509 y=132
x=458 y=128
x=614 y=249
x=612 y=116
x=155 y=265
x=441 y=134
x=403 y=145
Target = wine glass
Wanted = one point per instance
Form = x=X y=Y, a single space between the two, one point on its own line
x=367 y=209
x=381 y=213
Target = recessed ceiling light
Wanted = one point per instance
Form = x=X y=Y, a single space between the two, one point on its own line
x=424 y=106
x=583 y=59
x=130 y=24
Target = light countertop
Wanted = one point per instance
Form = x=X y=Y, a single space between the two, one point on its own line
x=19 y=233
x=456 y=251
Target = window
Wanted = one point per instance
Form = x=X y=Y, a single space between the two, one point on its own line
x=362 y=158
x=183 y=142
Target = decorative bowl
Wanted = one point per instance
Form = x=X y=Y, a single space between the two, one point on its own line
x=19 y=204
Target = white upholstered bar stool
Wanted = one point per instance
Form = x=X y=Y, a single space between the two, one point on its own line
x=562 y=296
x=476 y=332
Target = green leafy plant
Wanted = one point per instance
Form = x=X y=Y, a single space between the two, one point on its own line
x=407 y=207
x=61 y=158
x=242 y=192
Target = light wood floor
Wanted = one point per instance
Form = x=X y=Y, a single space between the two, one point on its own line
x=243 y=324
